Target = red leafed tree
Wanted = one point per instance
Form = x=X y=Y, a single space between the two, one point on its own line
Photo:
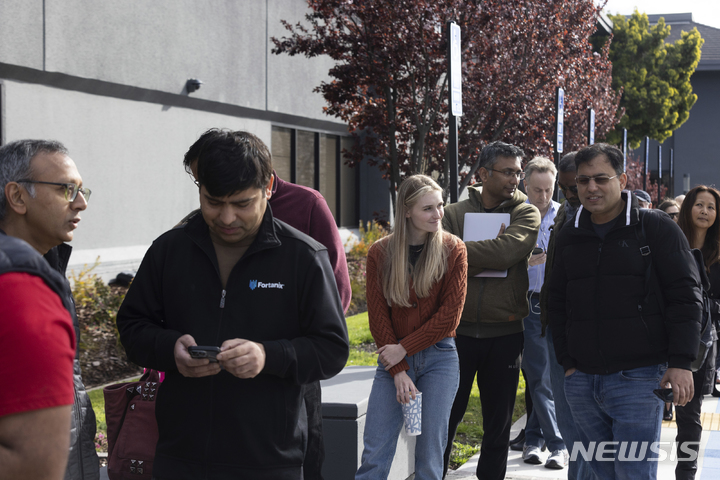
x=634 y=171
x=390 y=84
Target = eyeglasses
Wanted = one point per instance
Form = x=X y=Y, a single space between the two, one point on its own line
x=599 y=179
x=509 y=173
x=673 y=215
x=71 y=190
x=189 y=171
x=572 y=188
x=192 y=177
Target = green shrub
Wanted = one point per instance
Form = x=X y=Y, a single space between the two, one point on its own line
x=369 y=234
x=357 y=259
x=95 y=301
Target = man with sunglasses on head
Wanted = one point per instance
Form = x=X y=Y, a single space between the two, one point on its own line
x=609 y=331
x=44 y=408
x=490 y=335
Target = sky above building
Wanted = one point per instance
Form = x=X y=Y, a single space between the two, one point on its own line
x=706 y=12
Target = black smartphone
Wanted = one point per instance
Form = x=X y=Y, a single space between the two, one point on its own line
x=204 y=352
x=537 y=251
x=664 y=394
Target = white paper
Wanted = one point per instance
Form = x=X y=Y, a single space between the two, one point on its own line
x=485 y=226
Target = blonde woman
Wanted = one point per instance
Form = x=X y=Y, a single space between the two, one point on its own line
x=416 y=284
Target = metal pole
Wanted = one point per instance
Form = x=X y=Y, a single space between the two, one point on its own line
x=660 y=182
x=647 y=163
x=453 y=183
x=624 y=149
x=453 y=159
x=672 y=172
x=558 y=140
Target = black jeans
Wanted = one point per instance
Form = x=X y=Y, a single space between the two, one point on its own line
x=496 y=361
x=315 y=454
x=688 y=419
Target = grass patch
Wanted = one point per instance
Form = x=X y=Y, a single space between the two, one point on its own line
x=98 y=404
x=359 y=329
x=358 y=357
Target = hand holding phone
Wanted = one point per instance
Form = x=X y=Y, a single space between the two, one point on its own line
x=664 y=394
x=204 y=352
x=537 y=251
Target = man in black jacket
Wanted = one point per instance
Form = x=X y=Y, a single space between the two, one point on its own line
x=41 y=201
x=609 y=332
x=235 y=278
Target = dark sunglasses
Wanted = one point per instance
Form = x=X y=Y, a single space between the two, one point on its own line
x=674 y=214
x=572 y=188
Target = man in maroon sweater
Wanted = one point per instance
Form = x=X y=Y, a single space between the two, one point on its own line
x=306 y=210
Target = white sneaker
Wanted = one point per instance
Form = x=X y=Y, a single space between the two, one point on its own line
x=531 y=454
x=557 y=460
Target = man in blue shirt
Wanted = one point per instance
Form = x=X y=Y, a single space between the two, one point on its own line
x=540 y=175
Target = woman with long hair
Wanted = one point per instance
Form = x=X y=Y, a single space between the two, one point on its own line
x=416 y=284
x=698 y=221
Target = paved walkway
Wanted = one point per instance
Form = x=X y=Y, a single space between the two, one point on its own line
x=708 y=463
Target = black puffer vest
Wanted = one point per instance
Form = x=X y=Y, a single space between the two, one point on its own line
x=18 y=256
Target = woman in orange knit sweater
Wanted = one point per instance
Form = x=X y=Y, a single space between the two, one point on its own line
x=416 y=284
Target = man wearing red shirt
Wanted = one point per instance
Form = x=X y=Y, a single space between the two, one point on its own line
x=42 y=197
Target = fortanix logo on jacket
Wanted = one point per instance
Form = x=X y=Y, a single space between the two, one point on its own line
x=255 y=284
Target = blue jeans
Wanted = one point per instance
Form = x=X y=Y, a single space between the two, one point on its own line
x=435 y=372
x=536 y=365
x=578 y=469
x=621 y=408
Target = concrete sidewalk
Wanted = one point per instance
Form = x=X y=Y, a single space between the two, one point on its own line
x=708 y=463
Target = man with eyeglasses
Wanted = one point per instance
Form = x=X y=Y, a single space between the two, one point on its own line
x=577 y=467
x=44 y=408
x=489 y=338
x=609 y=334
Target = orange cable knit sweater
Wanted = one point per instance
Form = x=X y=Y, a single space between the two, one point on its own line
x=429 y=319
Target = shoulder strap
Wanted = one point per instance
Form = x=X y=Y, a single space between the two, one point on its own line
x=651 y=281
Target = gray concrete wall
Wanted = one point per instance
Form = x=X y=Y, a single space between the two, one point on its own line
x=129 y=153
x=158 y=45
x=107 y=79
x=21 y=32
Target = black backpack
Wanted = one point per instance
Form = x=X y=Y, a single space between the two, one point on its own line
x=652 y=285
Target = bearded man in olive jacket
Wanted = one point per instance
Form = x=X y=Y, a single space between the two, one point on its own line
x=489 y=338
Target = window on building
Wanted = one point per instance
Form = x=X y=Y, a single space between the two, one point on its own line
x=305 y=172
x=281 y=152
x=314 y=160
x=328 y=171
